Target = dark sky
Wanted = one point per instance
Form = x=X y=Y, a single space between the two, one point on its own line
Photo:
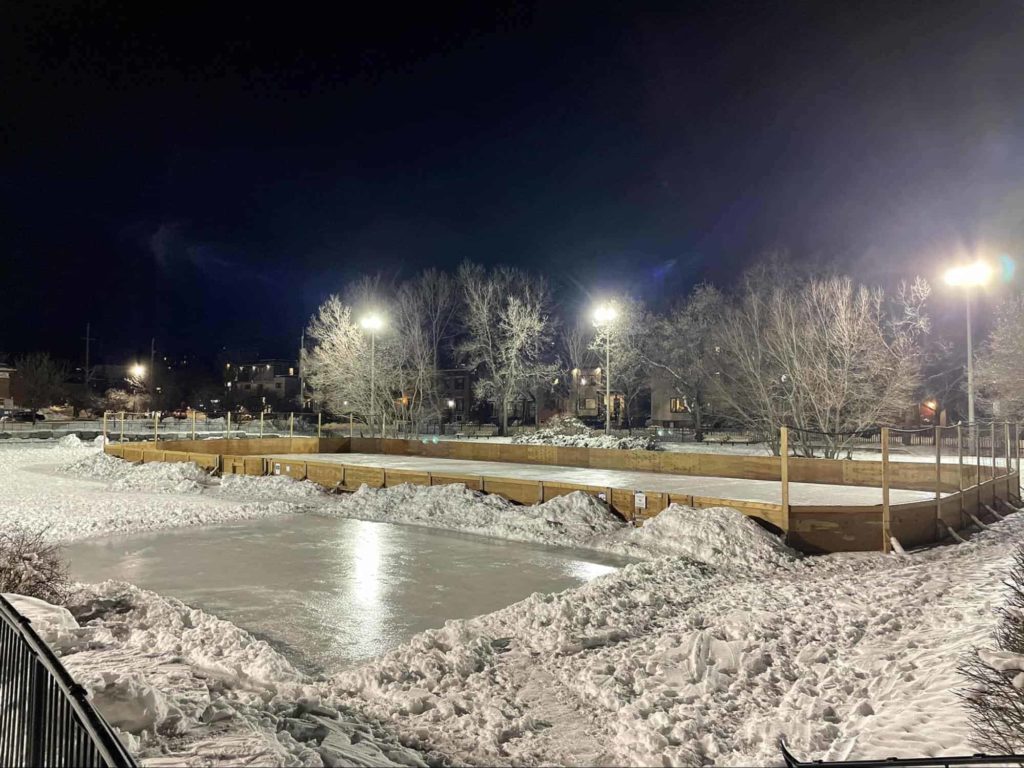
x=208 y=176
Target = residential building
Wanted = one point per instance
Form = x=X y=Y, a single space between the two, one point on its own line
x=7 y=373
x=263 y=384
x=668 y=407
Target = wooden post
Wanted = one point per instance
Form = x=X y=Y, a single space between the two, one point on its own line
x=291 y=425
x=992 y=451
x=784 y=476
x=261 y=424
x=960 y=467
x=104 y=428
x=156 y=426
x=938 y=481
x=886 y=521
x=122 y=426
x=1006 y=457
x=319 y=423
x=227 y=426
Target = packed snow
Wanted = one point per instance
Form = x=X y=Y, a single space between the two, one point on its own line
x=705 y=653
x=573 y=433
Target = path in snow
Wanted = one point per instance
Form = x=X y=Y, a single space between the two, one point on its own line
x=715 y=487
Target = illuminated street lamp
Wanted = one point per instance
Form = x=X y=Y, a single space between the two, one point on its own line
x=138 y=371
x=604 y=318
x=372 y=323
x=968 y=276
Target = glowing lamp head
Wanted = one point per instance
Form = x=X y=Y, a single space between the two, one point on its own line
x=605 y=314
x=451 y=403
x=969 y=275
x=372 y=322
x=138 y=371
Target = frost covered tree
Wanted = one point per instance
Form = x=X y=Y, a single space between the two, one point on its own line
x=40 y=381
x=507 y=333
x=1001 y=362
x=825 y=356
x=681 y=348
x=628 y=335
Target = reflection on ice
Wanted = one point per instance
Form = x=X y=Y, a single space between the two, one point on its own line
x=330 y=592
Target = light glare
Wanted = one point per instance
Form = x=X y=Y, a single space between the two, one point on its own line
x=372 y=322
x=604 y=314
x=968 y=275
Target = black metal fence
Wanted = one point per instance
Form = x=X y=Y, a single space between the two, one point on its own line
x=45 y=717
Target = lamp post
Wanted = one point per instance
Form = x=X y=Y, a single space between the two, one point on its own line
x=372 y=323
x=969 y=276
x=604 y=317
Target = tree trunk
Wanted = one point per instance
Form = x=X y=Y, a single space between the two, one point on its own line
x=698 y=421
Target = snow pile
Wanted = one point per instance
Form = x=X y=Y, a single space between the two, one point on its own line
x=97 y=466
x=70 y=441
x=182 y=686
x=163 y=477
x=155 y=477
x=570 y=432
x=719 y=536
x=572 y=520
x=269 y=487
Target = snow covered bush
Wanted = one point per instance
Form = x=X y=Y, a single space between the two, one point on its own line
x=32 y=567
x=995 y=697
x=570 y=432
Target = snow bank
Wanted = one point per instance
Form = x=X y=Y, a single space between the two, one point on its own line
x=155 y=477
x=70 y=441
x=571 y=432
x=573 y=520
x=269 y=487
x=180 y=684
x=719 y=536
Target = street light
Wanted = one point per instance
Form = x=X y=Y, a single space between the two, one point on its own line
x=138 y=371
x=372 y=323
x=968 y=276
x=604 y=317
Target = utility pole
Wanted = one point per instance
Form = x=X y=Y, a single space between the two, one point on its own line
x=88 y=369
x=152 y=373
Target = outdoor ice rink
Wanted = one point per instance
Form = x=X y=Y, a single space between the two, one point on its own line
x=768 y=491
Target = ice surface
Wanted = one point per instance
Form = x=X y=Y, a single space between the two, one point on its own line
x=331 y=591
x=714 y=487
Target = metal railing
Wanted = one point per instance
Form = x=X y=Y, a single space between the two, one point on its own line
x=45 y=717
x=978 y=760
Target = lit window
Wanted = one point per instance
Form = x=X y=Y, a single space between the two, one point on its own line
x=291 y=371
x=677 y=405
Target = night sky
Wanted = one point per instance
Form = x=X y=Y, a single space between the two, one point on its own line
x=208 y=176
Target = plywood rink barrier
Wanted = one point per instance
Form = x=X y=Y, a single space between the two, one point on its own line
x=960 y=491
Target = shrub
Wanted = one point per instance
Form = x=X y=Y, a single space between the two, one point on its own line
x=31 y=566
x=995 y=697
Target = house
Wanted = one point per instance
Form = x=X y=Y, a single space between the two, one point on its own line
x=263 y=383
x=456 y=390
x=586 y=396
x=668 y=407
x=7 y=373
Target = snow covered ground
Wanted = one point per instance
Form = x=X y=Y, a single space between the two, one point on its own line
x=707 y=651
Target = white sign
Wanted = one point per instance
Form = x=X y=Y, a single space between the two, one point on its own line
x=640 y=500
x=603 y=496
x=277 y=469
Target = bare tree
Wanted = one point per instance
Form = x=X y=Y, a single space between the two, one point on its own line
x=681 y=348
x=32 y=566
x=40 y=381
x=995 y=696
x=508 y=331
x=628 y=336
x=1001 y=362
x=827 y=357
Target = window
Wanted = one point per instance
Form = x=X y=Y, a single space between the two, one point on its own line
x=460 y=383
x=460 y=405
x=677 y=405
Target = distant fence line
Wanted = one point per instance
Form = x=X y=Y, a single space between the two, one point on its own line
x=45 y=717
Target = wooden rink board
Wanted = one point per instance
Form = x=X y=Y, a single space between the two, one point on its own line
x=811 y=527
